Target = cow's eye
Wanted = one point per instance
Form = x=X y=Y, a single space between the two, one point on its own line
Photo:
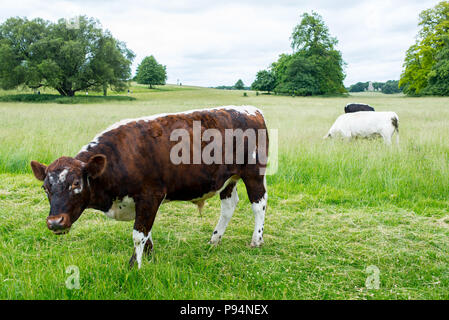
x=76 y=184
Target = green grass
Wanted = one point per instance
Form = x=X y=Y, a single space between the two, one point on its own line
x=335 y=208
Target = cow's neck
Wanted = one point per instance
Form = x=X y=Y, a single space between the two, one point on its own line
x=101 y=190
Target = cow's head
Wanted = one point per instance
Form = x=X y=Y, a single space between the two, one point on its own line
x=66 y=182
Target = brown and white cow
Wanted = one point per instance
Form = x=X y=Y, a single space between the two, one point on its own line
x=127 y=172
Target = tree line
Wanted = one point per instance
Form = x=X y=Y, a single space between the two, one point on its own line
x=389 y=87
x=316 y=68
x=69 y=57
x=82 y=56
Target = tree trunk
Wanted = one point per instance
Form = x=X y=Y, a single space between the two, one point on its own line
x=65 y=92
x=105 y=90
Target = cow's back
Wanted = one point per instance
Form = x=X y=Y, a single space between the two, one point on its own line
x=139 y=152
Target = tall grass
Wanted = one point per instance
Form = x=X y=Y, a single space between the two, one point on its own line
x=360 y=173
x=334 y=208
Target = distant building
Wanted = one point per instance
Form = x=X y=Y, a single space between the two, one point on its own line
x=370 y=87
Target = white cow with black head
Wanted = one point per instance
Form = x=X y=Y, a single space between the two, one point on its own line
x=366 y=124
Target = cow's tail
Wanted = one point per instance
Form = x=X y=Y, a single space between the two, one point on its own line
x=395 y=123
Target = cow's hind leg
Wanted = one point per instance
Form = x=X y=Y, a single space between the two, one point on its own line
x=229 y=199
x=257 y=194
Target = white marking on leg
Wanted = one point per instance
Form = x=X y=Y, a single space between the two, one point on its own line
x=227 y=210
x=139 y=244
x=259 y=209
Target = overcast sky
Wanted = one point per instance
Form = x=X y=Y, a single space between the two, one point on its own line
x=211 y=43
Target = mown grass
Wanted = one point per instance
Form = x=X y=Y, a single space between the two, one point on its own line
x=335 y=208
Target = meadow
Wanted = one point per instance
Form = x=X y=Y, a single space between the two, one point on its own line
x=334 y=208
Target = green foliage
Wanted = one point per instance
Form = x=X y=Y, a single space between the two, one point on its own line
x=439 y=75
x=315 y=67
x=150 y=72
x=265 y=81
x=359 y=87
x=312 y=34
x=425 y=53
x=39 y=53
x=53 y=98
x=389 y=87
x=239 y=85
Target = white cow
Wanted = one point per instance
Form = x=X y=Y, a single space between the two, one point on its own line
x=366 y=125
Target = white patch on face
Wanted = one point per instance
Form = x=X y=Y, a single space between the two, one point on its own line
x=259 y=209
x=124 y=210
x=139 y=244
x=63 y=175
x=52 y=178
x=248 y=110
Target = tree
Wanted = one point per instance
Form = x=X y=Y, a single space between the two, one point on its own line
x=315 y=67
x=359 y=87
x=265 y=81
x=39 y=53
x=439 y=74
x=239 y=85
x=422 y=56
x=312 y=34
x=151 y=72
x=391 y=87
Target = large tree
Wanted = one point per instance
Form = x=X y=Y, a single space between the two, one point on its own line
x=316 y=66
x=422 y=57
x=150 y=72
x=67 y=57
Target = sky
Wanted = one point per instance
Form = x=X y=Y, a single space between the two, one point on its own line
x=213 y=42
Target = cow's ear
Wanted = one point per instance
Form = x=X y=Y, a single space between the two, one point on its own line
x=96 y=165
x=39 y=170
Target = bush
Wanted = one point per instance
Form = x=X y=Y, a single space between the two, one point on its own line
x=53 y=98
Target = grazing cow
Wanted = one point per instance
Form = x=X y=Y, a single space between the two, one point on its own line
x=357 y=107
x=128 y=171
x=366 y=125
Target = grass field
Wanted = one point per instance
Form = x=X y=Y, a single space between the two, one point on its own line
x=334 y=208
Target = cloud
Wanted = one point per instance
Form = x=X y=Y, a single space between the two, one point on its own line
x=211 y=43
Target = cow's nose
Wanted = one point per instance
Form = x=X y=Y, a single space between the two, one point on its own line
x=56 y=223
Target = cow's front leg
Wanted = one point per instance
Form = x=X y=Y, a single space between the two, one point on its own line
x=146 y=209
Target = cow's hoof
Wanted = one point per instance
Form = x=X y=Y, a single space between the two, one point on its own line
x=148 y=248
x=256 y=243
x=132 y=261
x=215 y=240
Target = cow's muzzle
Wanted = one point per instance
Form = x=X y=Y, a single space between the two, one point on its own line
x=59 y=224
